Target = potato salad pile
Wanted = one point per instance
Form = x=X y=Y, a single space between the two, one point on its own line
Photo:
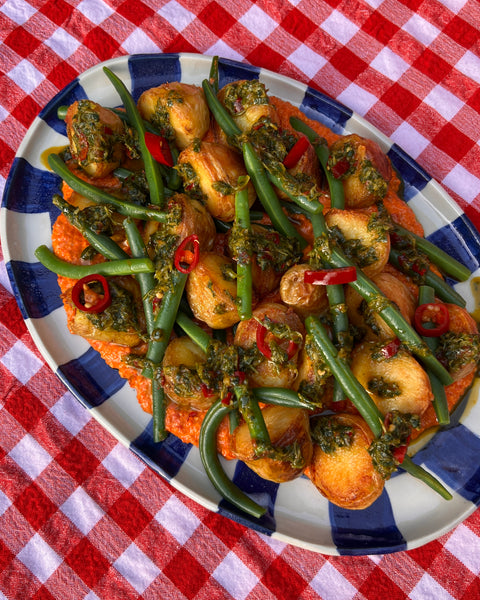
x=261 y=284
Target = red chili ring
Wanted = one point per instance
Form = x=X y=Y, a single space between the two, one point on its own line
x=182 y=255
x=331 y=276
x=441 y=319
x=78 y=290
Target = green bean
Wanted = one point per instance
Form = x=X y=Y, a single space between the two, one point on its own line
x=62 y=112
x=213 y=75
x=253 y=417
x=159 y=409
x=350 y=384
x=337 y=196
x=220 y=113
x=441 y=287
x=444 y=261
x=426 y=295
x=128 y=266
x=164 y=319
x=420 y=473
x=194 y=331
x=212 y=466
x=100 y=242
x=267 y=195
x=146 y=281
x=280 y=180
x=152 y=171
x=282 y=397
x=128 y=209
x=244 y=263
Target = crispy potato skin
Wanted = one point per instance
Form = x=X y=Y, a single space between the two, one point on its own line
x=402 y=370
x=185 y=104
x=217 y=164
x=247 y=118
x=285 y=426
x=358 y=193
x=305 y=298
x=183 y=351
x=210 y=294
x=396 y=291
x=267 y=373
x=355 y=225
x=100 y=153
x=347 y=477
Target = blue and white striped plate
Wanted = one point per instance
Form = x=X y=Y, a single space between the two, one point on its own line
x=408 y=514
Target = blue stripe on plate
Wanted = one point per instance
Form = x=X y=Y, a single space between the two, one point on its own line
x=412 y=175
x=369 y=531
x=144 y=69
x=38 y=293
x=165 y=457
x=92 y=380
x=229 y=70
x=331 y=113
x=460 y=240
x=262 y=491
x=67 y=96
x=454 y=458
x=30 y=190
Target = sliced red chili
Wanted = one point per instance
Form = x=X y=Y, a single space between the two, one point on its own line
x=432 y=319
x=102 y=301
x=400 y=452
x=340 y=168
x=227 y=398
x=263 y=346
x=206 y=391
x=158 y=147
x=390 y=349
x=296 y=152
x=331 y=276
x=185 y=256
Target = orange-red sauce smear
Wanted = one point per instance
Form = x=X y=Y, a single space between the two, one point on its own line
x=68 y=244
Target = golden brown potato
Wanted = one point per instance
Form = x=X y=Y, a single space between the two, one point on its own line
x=247 y=102
x=305 y=298
x=346 y=476
x=107 y=326
x=368 y=245
x=278 y=371
x=93 y=132
x=370 y=322
x=195 y=219
x=396 y=383
x=364 y=169
x=181 y=383
x=178 y=110
x=211 y=292
x=313 y=381
x=285 y=426
x=212 y=171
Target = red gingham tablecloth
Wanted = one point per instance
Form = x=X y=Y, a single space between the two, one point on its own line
x=82 y=517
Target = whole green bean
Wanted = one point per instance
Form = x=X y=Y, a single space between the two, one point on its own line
x=441 y=287
x=128 y=209
x=308 y=204
x=337 y=196
x=444 y=261
x=267 y=195
x=159 y=408
x=220 y=113
x=244 y=263
x=128 y=266
x=426 y=295
x=194 y=331
x=253 y=417
x=101 y=242
x=212 y=466
x=146 y=281
x=282 y=397
x=213 y=75
x=152 y=171
x=420 y=473
x=349 y=383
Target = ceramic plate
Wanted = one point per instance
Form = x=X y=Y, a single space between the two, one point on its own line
x=408 y=514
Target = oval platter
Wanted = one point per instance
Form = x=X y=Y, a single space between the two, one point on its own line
x=408 y=514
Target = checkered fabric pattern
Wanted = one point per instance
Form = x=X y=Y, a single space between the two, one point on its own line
x=82 y=517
